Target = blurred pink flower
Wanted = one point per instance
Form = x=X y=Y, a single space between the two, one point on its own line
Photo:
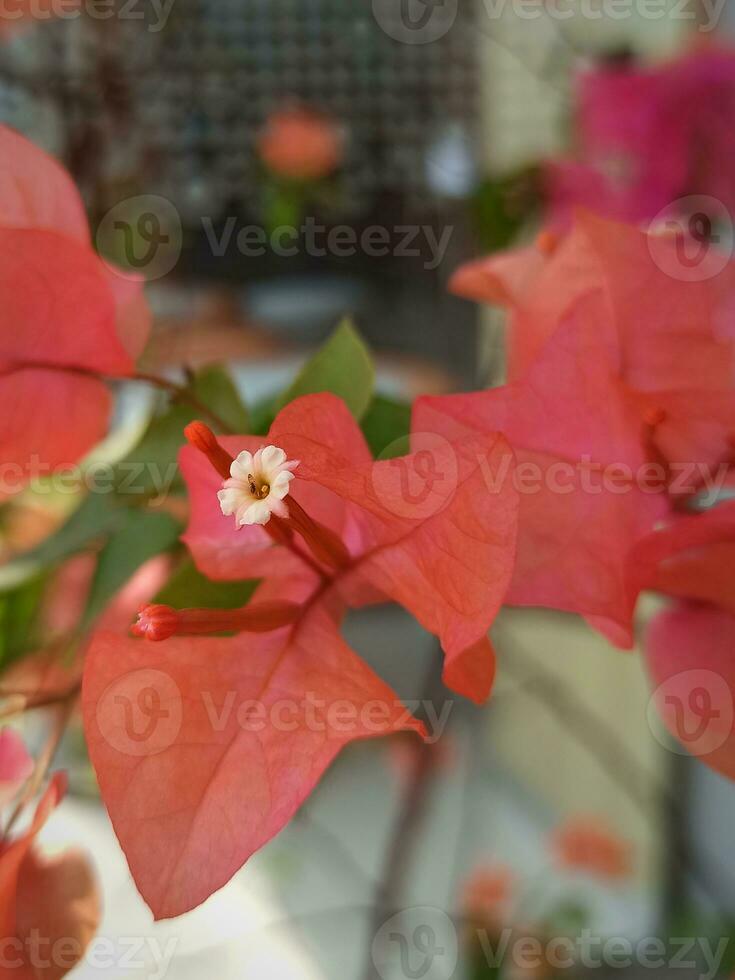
x=300 y=144
x=649 y=136
x=16 y=765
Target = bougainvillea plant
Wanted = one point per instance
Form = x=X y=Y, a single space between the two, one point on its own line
x=216 y=559
x=648 y=136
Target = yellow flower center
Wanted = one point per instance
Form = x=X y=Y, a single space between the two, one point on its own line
x=259 y=490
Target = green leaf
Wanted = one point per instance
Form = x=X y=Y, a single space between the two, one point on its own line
x=96 y=517
x=19 y=608
x=343 y=365
x=142 y=535
x=503 y=205
x=386 y=426
x=214 y=386
x=151 y=469
x=188 y=588
x=262 y=416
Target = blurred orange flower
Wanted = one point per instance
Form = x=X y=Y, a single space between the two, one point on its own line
x=488 y=892
x=587 y=844
x=300 y=144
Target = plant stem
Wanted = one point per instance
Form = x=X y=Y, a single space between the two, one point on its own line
x=185 y=394
x=63 y=711
x=179 y=390
x=398 y=855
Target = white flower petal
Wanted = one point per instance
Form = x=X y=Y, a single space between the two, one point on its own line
x=257 y=513
x=280 y=488
x=271 y=458
x=229 y=500
x=277 y=506
x=290 y=464
x=242 y=466
x=257 y=462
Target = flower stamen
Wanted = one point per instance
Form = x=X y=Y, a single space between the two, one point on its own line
x=260 y=492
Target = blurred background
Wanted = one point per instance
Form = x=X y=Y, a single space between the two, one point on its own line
x=290 y=161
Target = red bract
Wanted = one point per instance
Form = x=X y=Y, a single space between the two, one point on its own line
x=689 y=647
x=194 y=797
x=580 y=456
x=232 y=738
x=430 y=531
x=664 y=332
x=691 y=558
x=49 y=910
x=65 y=317
x=689 y=652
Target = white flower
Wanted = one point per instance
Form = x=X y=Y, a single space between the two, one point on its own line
x=257 y=485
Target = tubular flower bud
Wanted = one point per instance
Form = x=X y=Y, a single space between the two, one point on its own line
x=323 y=543
x=162 y=622
x=201 y=437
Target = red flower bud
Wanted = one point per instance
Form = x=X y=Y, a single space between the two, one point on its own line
x=202 y=438
x=161 y=622
x=156 y=623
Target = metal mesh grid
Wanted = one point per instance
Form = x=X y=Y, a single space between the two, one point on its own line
x=200 y=89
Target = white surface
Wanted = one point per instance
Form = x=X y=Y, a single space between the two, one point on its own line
x=240 y=932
